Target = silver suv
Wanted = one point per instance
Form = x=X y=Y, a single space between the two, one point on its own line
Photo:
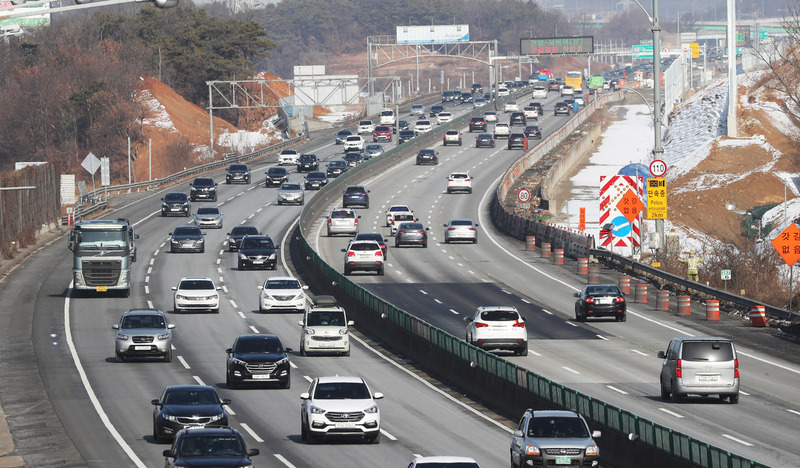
x=554 y=438
x=143 y=333
x=343 y=221
x=325 y=328
x=700 y=365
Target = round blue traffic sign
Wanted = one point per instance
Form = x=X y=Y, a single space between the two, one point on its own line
x=622 y=227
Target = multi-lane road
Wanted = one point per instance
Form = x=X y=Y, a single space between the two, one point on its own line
x=104 y=406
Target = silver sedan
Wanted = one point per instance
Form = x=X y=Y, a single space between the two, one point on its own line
x=461 y=230
x=208 y=216
x=291 y=192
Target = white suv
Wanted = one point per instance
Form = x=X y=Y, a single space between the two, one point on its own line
x=396 y=209
x=363 y=255
x=459 y=182
x=502 y=130
x=353 y=142
x=325 y=328
x=498 y=327
x=366 y=126
x=451 y=136
x=288 y=156
x=340 y=407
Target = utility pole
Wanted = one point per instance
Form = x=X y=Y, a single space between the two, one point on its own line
x=733 y=128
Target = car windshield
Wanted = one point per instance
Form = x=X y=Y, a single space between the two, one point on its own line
x=257 y=243
x=374 y=147
x=186 y=231
x=412 y=226
x=342 y=214
x=282 y=284
x=204 y=446
x=175 y=197
x=290 y=187
x=243 y=230
x=333 y=318
x=203 y=182
x=208 y=210
x=276 y=171
x=370 y=236
x=364 y=246
x=341 y=391
x=289 y=152
x=499 y=316
x=315 y=175
x=308 y=158
x=459 y=176
x=143 y=321
x=336 y=163
x=427 y=151
x=557 y=427
x=238 y=168
x=194 y=396
x=595 y=291
x=398 y=208
x=464 y=464
x=196 y=284
x=258 y=345
x=461 y=222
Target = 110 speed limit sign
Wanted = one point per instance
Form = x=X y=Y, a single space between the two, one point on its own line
x=524 y=195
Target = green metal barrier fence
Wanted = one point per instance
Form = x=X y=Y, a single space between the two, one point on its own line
x=654 y=435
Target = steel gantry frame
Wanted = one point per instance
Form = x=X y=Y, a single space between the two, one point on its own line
x=384 y=50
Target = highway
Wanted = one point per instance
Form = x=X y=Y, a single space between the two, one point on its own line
x=104 y=406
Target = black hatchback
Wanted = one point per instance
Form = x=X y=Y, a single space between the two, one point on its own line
x=203 y=188
x=517 y=140
x=175 y=203
x=257 y=252
x=600 y=300
x=517 y=118
x=405 y=135
x=533 y=131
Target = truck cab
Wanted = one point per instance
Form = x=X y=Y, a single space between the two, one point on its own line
x=103 y=251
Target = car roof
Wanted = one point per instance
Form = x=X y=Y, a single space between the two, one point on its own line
x=281 y=278
x=364 y=241
x=339 y=378
x=289 y=151
x=368 y=235
x=498 y=307
x=445 y=459
x=190 y=278
x=143 y=312
x=190 y=387
x=255 y=336
x=461 y=219
x=554 y=413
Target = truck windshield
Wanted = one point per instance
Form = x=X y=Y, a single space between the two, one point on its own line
x=101 y=239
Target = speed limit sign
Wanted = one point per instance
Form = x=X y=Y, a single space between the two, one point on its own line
x=524 y=195
x=658 y=168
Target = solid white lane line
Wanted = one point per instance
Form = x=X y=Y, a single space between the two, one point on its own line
x=571 y=324
x=547 y=312
x=672 y=413
x=252 y=433
x=789 y=410
x=602 y=337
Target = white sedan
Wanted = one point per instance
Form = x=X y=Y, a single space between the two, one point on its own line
x=282 y=293
x=288 y=156
x=422 y=126
x=196 y=293
x=443 y=117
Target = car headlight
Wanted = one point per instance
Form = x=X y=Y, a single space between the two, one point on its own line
x=532 y=450
x=121 y=336
x=316 y=410
x=164 y=336
x=174 y=241
x=242 y=256
x=170 y=417
x=282 y=362
x=200 y=241
x=272 y=256
x=181 y=297
x=299 y=296
x=238 y=362
x=309 y=331
x=342 y=331
x=217 y=417
x=372 y=409
x=212 y=297
x=164 y=206
x=592 y=450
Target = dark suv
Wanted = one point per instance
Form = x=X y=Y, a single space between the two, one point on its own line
x=405 y=135
x=276 y=175
x=203 y=188
x=258 y=359
x=355 y=195
x=175 y=203
x=221 y=446
x=238 y=173
x=427 y=156
x=517 y=118
x=307 y=163
x=477 y=124
x=554 y=438
x=336 y=168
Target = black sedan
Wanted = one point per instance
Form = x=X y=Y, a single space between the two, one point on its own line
x=427 y=156
x=187 y=239
x=353 y=158
x=258 y=359
x=411 y=234
x=237 y=234
x=258 y=252
x=600 y=300
x=533 y=131
x=484 y=140
x=276 y=176
x=336 y=168
x=315 y=180
x=183 y=406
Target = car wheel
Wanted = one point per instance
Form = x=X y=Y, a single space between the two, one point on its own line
x=156 y=436
x=303 y=350
x=119 y=358
x=229 y=381
x=346 y=353
x=216 y=311
x=280 y=203
x=380 y=272
x=523 y=351
x=676 y=398
x=168 y=355
x=239 y=266
x=203 y=249
x=469 y=191
x=175 y=308
x=287 y=384
x=347 y=272
x=376 y=439
x=186 y=215
x=664 y=392
x=459 y=143
x=734 y=399
x=303 y=432
x=311 y=438
x=623 y=318
x=424 y=245
x=579 y=316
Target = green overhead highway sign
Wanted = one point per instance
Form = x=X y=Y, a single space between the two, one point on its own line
x=642 y=51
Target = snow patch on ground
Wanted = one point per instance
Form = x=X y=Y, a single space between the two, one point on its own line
x=157 y=116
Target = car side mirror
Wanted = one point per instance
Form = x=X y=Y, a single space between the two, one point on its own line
x=300 y=322
x=253 y=452
x=203 y=233
x=155 y=402
x=168 y=453
x=596 y=434
x=260 y=287
x=226 y=402
x=228 y=234
x=229 y=350
x=305 y=396
x=517 y=433
x=661 y=355
x=344 y=250
x=467 y=319
x=174 y=288
x=477 y=225
x=305 y=288
x=288 y=350
x=219 y=288
x=136 y=236
x=377 y=395
x=576 y=294
x=444 y=225
x=115 y=326
x=350 y=323
x=170 y=234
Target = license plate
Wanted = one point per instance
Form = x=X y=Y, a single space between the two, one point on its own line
x=346 y=424
x=604 y=300
x=560 y=460
x=326 y=345
x=141 y=348
x=260 y=376
x=101 y=288
x=707 y=378
x=258 y=261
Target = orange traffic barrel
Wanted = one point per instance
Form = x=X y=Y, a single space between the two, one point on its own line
x=530 y=243
x=758 y=316
x=583 y=266
x=558 y=256
x=593 y=274
x=641 y=293
x=662 y=300
x=625 y=283
x=545 y=250
x=712 y=310
x=684 y=305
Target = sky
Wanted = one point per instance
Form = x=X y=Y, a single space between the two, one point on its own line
x=687 y=141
